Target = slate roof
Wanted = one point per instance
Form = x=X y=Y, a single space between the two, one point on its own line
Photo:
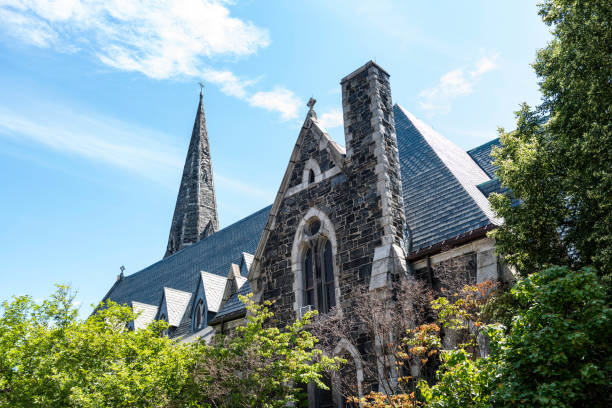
x=234 y=304
x=176 y=302
x=439 y=182
x=146 y=314
x=214 y=285
x=213 y=254
x=482 y=156
x=248 y=259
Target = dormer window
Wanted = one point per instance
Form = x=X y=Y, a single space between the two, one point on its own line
x=199 y=318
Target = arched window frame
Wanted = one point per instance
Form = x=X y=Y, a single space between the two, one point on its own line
x=311 y=165
x=302 y=242
x=347 y=350
x=199 y=310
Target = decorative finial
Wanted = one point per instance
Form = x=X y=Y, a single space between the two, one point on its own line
x=311 y=103
x=122 y=268
x=201 y=87
x=120 y=276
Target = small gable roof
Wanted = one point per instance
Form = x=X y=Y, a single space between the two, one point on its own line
x=214 y=285
x=176 y=303
x=440 y=184
x=234 y=305
x=247 y=259
x=145 y=314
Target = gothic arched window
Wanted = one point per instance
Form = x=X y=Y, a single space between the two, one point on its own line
x=313 y=262
x=319 y=286
x=198 y=316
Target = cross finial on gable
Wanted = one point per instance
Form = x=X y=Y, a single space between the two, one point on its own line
x=311 y=103
x=201 y=87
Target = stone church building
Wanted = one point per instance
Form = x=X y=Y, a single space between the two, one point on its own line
x=398 y=198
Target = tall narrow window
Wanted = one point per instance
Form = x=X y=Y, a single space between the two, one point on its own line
x=199 y=315
x=309 y=294
x=319 y=287
x=311 y=176
x=328 y=277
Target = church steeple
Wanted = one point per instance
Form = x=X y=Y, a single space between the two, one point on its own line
x=195 y=214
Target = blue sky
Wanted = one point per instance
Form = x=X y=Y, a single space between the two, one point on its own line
x=98 y=98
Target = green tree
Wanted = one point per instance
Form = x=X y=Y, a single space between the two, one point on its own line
x=463 y=381
x=558 y=162
x=49 y=358
x=557 y=352
x=259 y=365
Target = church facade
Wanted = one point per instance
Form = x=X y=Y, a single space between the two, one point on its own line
x=397 y=199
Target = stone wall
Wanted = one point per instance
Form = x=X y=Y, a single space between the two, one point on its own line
x=363 y=201
x=358 y=202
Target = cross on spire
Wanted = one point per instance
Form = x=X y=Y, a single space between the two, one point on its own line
x=201 y=87
x=311 y=103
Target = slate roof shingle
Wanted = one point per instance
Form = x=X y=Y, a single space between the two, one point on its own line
x=213 y=254
x=146 y=314
x=176 y=302
x=482 y=156
x=439 y=183
x=214 y=285
x=234 y=304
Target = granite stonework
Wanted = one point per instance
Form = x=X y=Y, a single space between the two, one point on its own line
x=362 y=202
x=360 y=206
x=195 y=214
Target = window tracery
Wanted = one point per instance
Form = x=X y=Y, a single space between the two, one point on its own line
x=318 y=268
x=313 y=264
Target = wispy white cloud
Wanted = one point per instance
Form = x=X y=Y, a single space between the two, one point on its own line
x=161 y=39
x=454 y=84
x=485 y=64
x=141 y=151
x=279 y=99
x=331 y=119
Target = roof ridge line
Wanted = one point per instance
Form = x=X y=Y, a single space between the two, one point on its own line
x=469 y=186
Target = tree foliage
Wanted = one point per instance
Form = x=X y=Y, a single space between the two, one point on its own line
x=557 y=164
x=48 y=358
x=259 y=365
x=557 y=352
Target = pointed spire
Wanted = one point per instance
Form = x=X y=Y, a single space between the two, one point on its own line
x=195 y=214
